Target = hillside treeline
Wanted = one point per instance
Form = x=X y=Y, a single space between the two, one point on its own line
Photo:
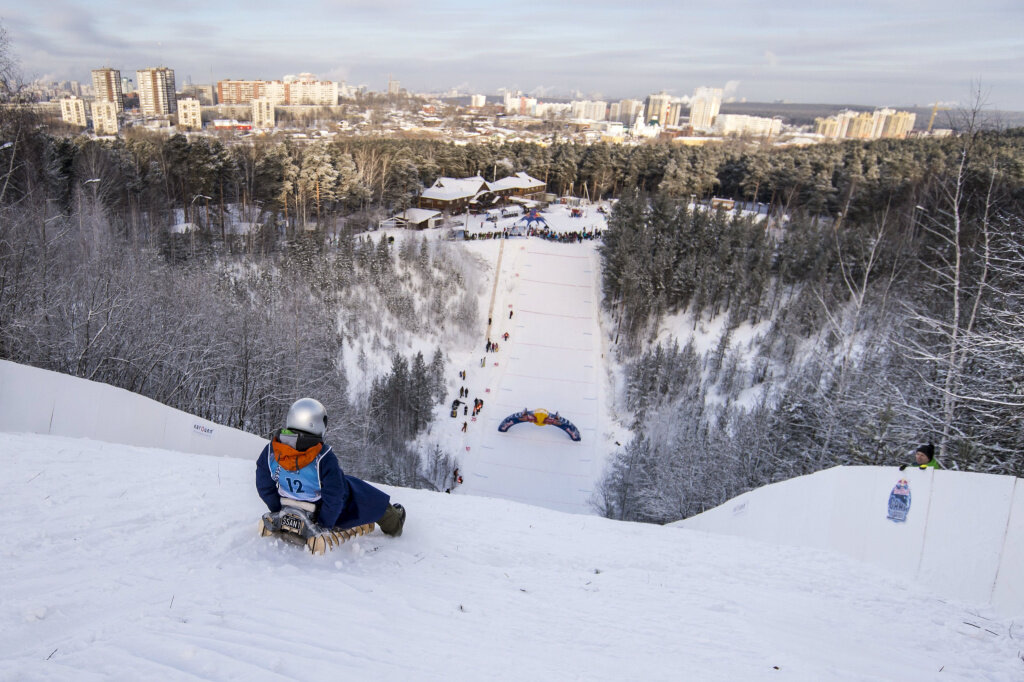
x=147 y=180
x=846 y=337
x=95 y=283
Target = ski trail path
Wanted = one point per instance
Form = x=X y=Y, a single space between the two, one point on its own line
x=552 y=360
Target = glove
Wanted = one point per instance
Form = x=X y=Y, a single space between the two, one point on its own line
x=902 y=467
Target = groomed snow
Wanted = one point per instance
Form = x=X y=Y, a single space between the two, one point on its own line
x=125 y=563
x=553 y=359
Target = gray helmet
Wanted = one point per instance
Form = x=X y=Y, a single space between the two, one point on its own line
x=307 y=415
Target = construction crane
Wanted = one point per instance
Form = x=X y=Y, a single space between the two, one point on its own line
x=935 y=109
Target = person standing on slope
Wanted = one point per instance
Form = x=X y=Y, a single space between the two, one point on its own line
x=298 y=465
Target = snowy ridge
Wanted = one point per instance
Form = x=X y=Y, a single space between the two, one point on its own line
x=39 y=401
x=963 y=534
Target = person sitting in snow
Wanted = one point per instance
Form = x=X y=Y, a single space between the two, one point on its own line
x=298 y=465
x=924 y=458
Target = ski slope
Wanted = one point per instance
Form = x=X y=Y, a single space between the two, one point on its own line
x=551 y=361
x=127 y=563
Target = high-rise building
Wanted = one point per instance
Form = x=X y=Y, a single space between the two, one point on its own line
x=263 y=113
x=866 y=125
x=72 y=111
x=899 y=124
x=106 y=87
x=156 y=91
x=827 y=127
x=104 y=118
x=704 y=106
x=629 y=109
x=861 y=126
x=591 y=111
x=394 y=87
x=675 y=111
x=478 y=101
x=657 y=108
x=190 y=114
x=512 y=102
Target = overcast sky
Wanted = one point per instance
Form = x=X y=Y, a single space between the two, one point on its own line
x=897 y=52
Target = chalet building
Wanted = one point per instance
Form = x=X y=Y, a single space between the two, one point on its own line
x=455 y=195
x=418 y=219
x=452 y=194
x=518 y=185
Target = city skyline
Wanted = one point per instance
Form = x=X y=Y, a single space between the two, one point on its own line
x=867 y=53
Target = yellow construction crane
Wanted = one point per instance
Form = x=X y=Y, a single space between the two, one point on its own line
x=935 y=109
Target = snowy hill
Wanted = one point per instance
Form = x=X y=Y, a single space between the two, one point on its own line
x=126 y=562
x=129 y=563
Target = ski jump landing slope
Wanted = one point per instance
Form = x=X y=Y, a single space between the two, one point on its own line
x=552 y=360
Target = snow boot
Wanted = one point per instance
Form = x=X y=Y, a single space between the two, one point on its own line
x=393 y=520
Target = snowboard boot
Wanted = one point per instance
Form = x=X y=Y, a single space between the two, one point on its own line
x=393 y=520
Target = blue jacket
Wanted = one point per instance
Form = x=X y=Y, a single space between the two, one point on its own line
x=345 y=501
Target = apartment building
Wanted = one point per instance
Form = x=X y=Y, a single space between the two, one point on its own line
x=104 y=118
x=868 y=125
x=739 y=124
x=704 y=106
x=296 y=91
x=626 y=110
x=591 y=111
x=263 y=113
x=240 y=92
x=657 y=108
x=190 y=116
x=72 y=111
x=308 y=91
x=156 y=91
x=106 y=87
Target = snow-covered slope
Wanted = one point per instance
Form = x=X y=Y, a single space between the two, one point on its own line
x=962 y=533
x=125 y=563
x=553 y=360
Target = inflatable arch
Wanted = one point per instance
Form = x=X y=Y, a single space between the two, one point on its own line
x=532 y=219
x=540 y=418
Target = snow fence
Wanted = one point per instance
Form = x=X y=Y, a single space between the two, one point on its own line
x=35 y=400
x=963 y=535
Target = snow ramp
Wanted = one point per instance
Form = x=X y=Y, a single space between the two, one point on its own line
x=961 y=533
x=547 y=300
